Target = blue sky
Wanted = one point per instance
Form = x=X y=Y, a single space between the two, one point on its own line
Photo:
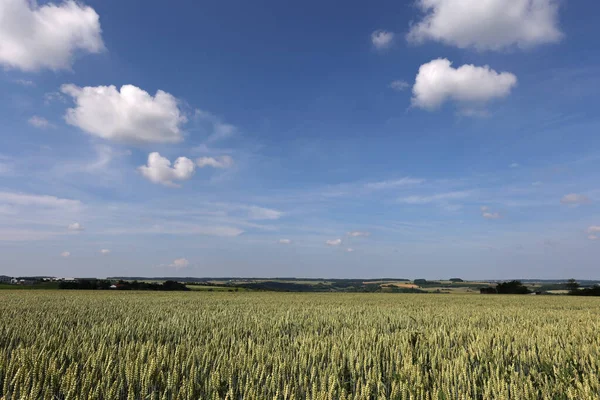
x=434 y=139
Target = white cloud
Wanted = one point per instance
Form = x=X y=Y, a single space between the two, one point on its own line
x=514 y=165
x=436 y=198
x=215 y=162
x=349 y=250
x=575 y=199
x=48 y=36
x=399 y=85
x=105 y=252
x=382 y=39
x=333 y=242
x=130 y=115
x=359 y=234
x=76 y=227
x=38 y=122
x=593 y=237
x=179 y=263
x=489 y=24
x=65 y=254
x=537 y=183
x=437 y=82
x=159 y=170
x=285 y=241
x=593 y=229
x=393 y=183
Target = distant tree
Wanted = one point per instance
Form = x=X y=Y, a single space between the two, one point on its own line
x=572 y=285
x=420 y=281
x=512 y=287
x=488 y=290
x=173 y=285
x=456 y=280
x=588 y=291
x=591 y=291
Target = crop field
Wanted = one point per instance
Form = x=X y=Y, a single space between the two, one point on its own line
x=251 y=345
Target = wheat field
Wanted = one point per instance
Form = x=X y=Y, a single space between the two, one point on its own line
x=203 y=345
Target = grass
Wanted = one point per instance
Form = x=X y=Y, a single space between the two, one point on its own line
x=209 y=288
x=253 y=345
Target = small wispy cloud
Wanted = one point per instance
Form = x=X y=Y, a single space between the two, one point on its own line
x=105 y=252
x=393 y=183
x=39 y=122
x=439 y=197
x=359 y=234
x=285 y=241
x=333 y=242
x=491 y=215
x=262 y=213
x=574 y=199
x=179 y=263
x=382 y=39
x=51 y=97
x=25 y=199
x=487 y=214
x=220 y=162
x=177 y=229
x=399 y=85
x=219 y=129
x=6 y=168
x=65 y=254
x=593 y=229
x=75 y=227
x=25 y=82
x=349 y=250
x=514 y=165
x=473 y=112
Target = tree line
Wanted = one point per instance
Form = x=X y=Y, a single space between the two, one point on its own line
x=510 y=287
x=517 y=287
x=575 y=289
x=100 y=284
